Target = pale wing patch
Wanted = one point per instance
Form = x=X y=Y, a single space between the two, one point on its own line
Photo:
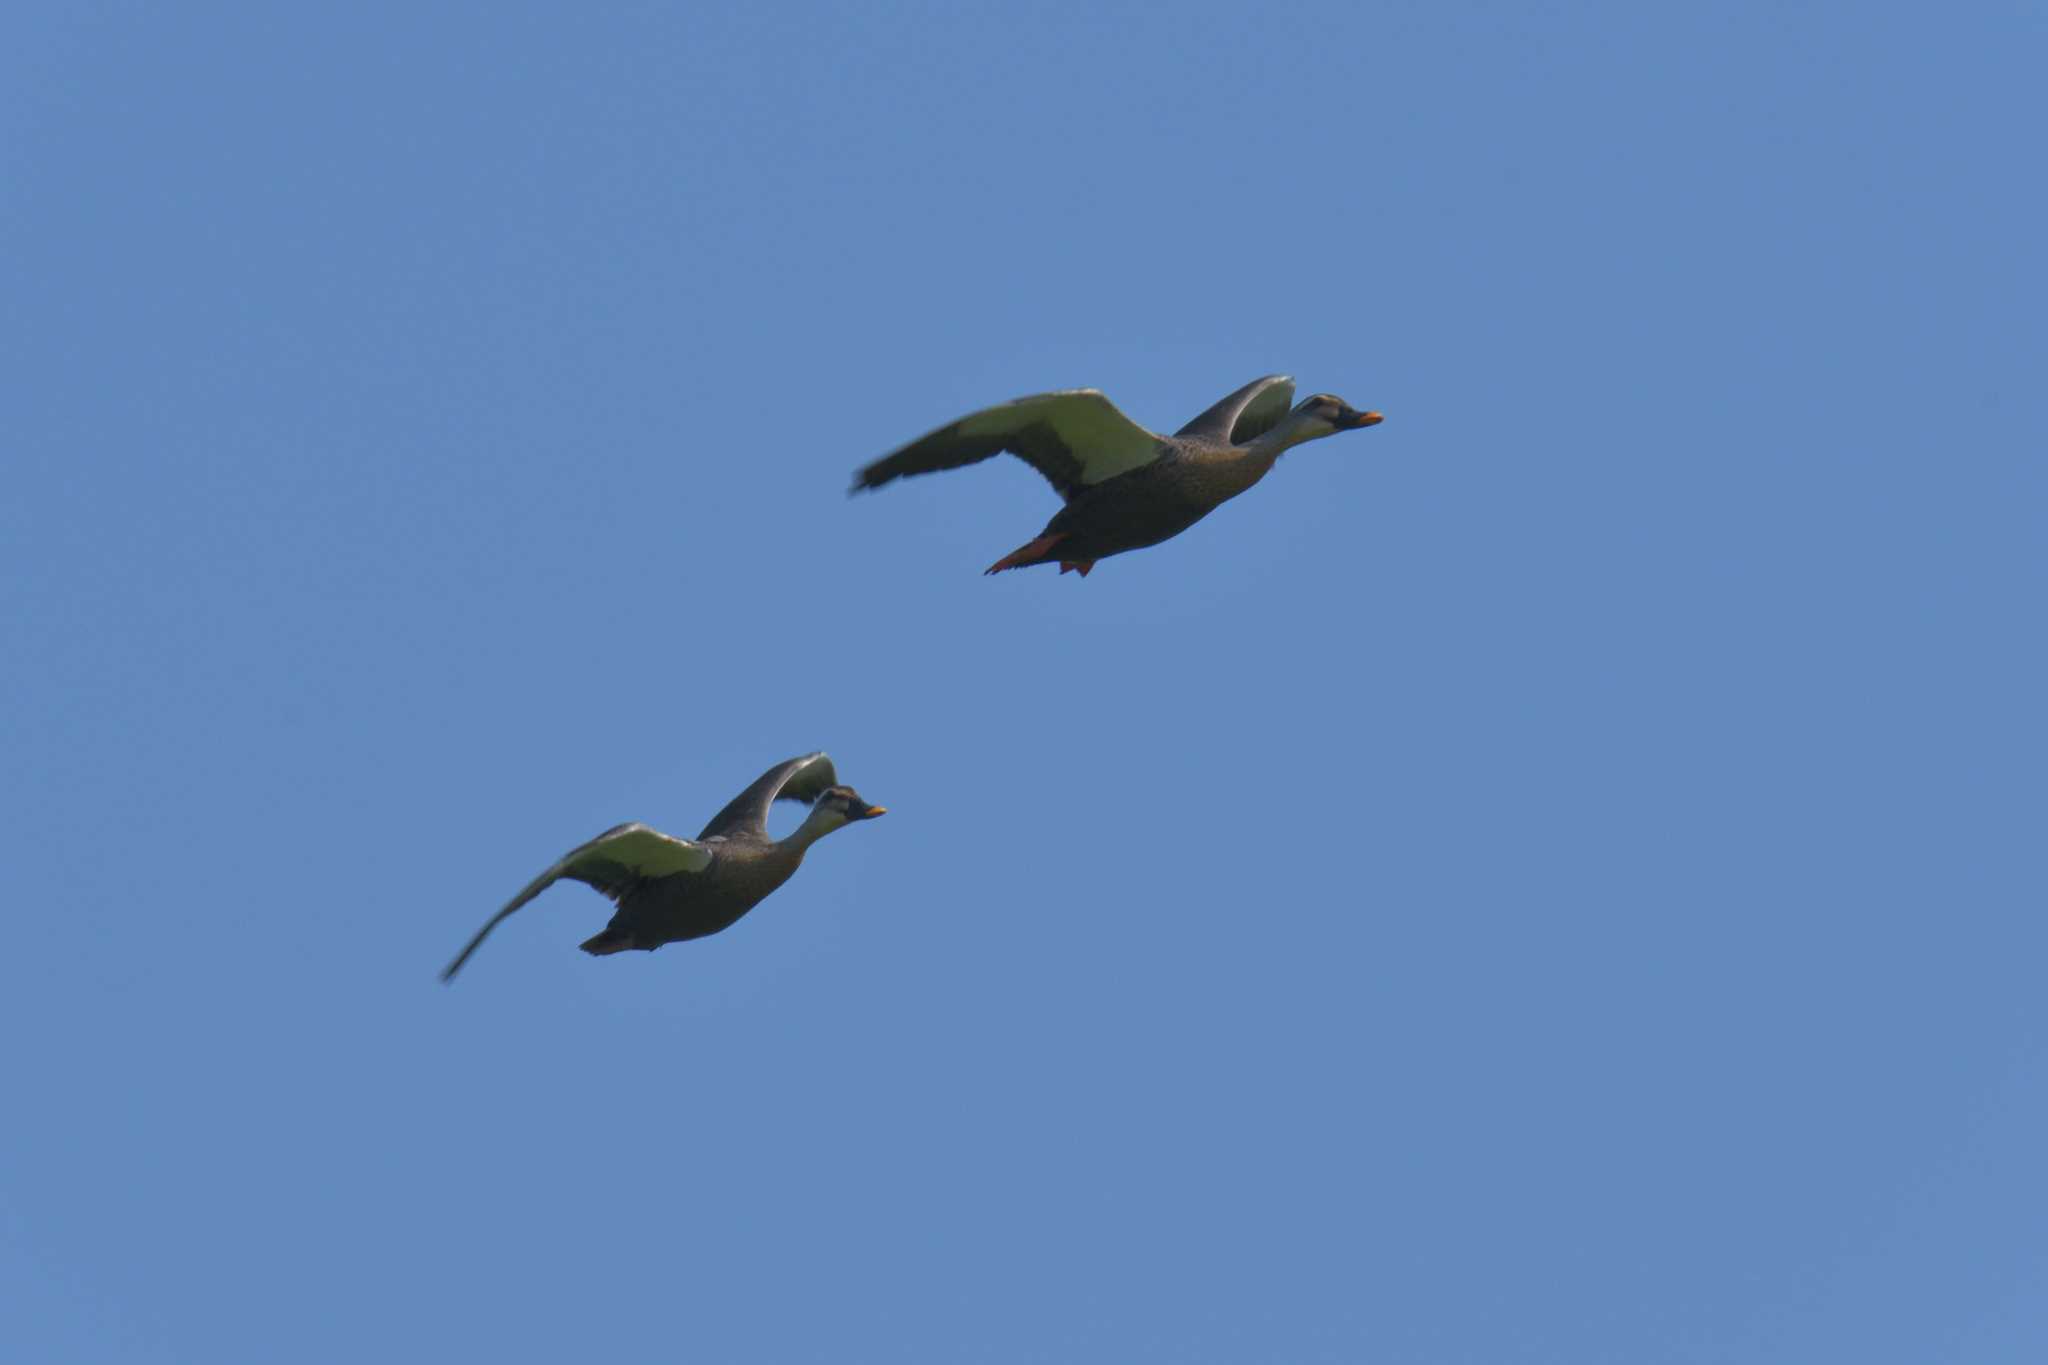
x=808 y=781
x=1103 y=441
x=1263 y=412
x=647 y=851
x=1244 y=414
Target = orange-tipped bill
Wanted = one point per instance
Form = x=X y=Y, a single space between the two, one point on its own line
x=1367 y=419
x=872 y=811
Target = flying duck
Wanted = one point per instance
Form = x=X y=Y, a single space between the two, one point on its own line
x=1125 y=487
x=668 y=889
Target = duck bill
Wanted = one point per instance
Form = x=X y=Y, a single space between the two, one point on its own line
x=1365 y=419
x=872 y=811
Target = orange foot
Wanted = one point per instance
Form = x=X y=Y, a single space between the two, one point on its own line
x=1034 y=553
x=1079 y=566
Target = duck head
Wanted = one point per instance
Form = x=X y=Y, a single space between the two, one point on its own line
x=849 y=805
x=835 y=808
x=1317 y=416
x=1339 y=415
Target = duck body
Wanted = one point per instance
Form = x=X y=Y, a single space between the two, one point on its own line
x=1125 y=487
x=1143 y=506
x=744 y=871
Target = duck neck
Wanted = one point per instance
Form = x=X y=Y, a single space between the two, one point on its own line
x=816 y=826
x=1291 y=432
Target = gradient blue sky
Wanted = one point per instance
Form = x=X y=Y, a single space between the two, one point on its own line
x=1557 y=877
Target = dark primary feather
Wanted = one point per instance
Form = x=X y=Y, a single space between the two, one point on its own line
x=1074 y=437
x=1038 y=445
x=796 y=779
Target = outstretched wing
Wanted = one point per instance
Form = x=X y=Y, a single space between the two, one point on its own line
x=1074 y=437
x=1246 y=415
x=796 y=779
x=612 y=862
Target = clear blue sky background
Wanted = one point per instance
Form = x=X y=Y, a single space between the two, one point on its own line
x=1557 y=877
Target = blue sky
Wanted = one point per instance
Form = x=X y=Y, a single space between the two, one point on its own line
x=1556 y=877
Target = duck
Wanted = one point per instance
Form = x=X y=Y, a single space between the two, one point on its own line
x=668 y=890
x=1125 y=487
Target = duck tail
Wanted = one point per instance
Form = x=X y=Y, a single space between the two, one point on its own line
x=608 y=942
x=1037 y=552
